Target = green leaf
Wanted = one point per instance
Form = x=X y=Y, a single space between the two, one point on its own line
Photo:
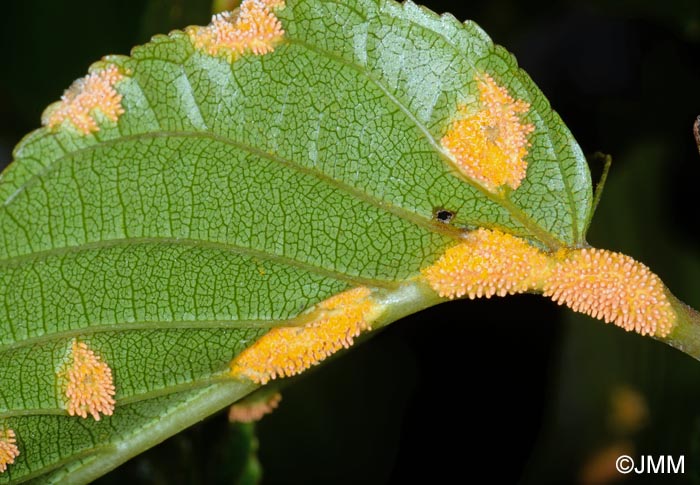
x=230 y=197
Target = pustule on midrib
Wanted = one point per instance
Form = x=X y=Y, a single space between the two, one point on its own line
x=488 y=143
x=289 y=350
x=603 y=284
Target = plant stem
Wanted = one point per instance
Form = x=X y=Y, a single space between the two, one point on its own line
x=685 y=336
x=411 y=297
x=190 y=411
x=414 y=296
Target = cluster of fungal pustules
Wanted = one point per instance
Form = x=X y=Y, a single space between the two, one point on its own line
x=94 y=101
x=8 y=448
x=287 y=351
x=87 y=387
x=603 y=284
x=487 y=144
x=253 y=409
x=253 y=27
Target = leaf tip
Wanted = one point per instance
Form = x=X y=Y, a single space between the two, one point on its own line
x=90 y=386
x=8 y=448
x=250 y=411
x=488 y=262
x=287 y=351
x=79 y=103
x=489 y=142
x=613 y=287
x=253 y=27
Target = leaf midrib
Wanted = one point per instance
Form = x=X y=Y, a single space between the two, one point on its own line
x=44 y=469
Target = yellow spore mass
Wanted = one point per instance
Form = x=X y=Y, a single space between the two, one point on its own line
x=252 y=27
x=248 y=412
x=8 y=448
x=94 y=92
x=613 y=287
x=287 y=351
x=489 y=144
x=488 y=262
x=274 y=4
x=90 y=387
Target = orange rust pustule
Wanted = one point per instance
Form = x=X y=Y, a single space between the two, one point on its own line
x=249 y=412
x=287 y=351
x=253 y=27
x=8 y=448
x=487 y=263
x=613 y=287
x=274 y=4
x=489 y=142
x=80 y=101
x=89 y=384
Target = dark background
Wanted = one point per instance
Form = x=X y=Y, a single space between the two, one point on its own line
x=539 y=395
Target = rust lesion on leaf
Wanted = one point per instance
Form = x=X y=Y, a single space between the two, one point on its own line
x=488 y=142
x=612 y=287
x=487 y=263
x=274 y=4
x=602 y=284
x=248 y=411
x=84 y=98
x=8 y=448
x=253 y=27
x=88 y=385
x=286 y=351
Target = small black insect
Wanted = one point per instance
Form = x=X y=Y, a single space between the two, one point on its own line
x=443 y=215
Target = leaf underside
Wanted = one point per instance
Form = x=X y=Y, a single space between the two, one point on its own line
x=228 y=198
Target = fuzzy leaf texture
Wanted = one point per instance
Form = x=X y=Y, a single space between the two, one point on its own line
x=222 y=195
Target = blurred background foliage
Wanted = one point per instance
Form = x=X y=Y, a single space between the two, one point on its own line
x=552 y=397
